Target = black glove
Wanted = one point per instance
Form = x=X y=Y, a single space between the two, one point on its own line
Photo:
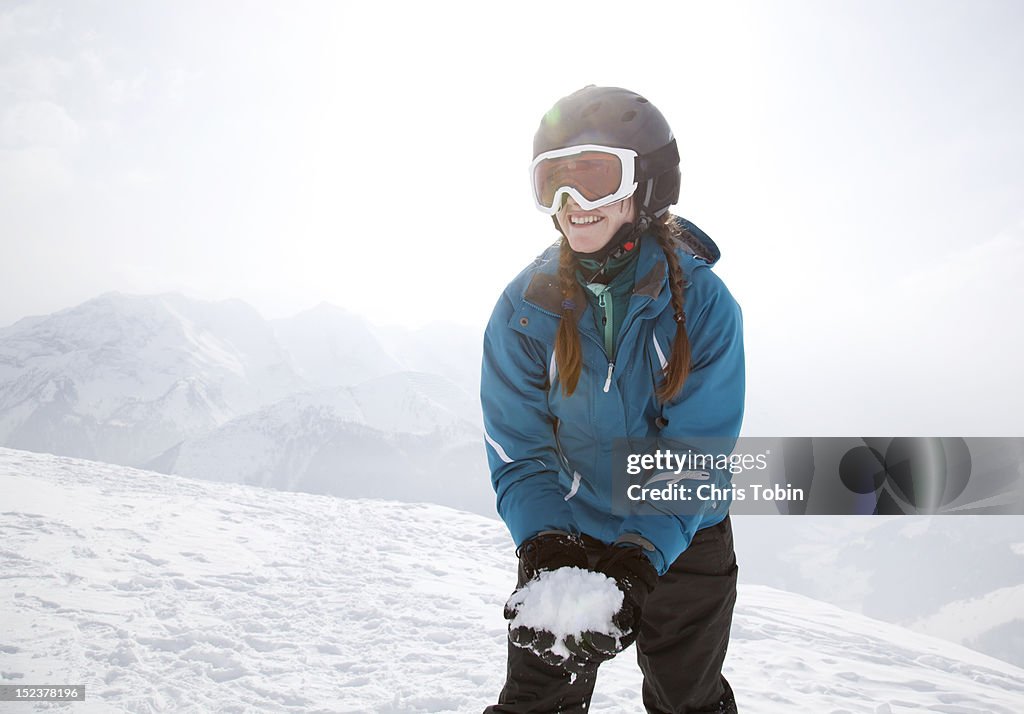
x=636 y=577
x=585 y=651
x=541 y=643
x=546 y=551
x=550 y=550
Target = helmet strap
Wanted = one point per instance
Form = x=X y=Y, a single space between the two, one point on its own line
x=625 y=240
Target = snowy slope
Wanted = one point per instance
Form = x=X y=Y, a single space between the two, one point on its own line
x=167 y=594
x=992 y=623
x=956 y=577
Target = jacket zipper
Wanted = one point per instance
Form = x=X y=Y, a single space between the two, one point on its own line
x=592 y=338
x=607 y=324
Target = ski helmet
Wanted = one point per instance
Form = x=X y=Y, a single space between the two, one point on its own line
x=615 y=117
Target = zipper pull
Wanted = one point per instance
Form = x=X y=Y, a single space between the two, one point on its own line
x=608 y=382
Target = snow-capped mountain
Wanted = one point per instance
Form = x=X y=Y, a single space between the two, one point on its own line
x=409 y=436
x=162 y=593
x=317 y=402
x=330 y=347
x=453 y=351
x=121 y=378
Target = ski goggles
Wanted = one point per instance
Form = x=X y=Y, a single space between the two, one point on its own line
x=593 y=175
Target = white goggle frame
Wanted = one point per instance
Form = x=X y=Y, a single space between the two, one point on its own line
x=627 y=185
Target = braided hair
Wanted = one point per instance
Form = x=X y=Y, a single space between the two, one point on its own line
x=678 y=367
x=569 y=354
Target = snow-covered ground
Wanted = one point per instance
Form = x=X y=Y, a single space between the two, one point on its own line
x=162 y=593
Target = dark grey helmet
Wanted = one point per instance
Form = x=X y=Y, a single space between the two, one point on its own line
x=612 y=116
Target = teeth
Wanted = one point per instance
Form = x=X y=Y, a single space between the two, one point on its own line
x=583 y=220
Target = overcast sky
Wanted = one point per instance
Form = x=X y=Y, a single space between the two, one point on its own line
x=861 y=165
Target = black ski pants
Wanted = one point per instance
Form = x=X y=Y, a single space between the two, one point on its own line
x=683 y=638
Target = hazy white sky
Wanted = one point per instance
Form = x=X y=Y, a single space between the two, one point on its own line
x=861 y=165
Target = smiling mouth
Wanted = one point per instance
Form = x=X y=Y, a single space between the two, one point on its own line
x=585 y=220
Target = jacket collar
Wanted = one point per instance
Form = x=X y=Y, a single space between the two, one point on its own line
x=544 y=292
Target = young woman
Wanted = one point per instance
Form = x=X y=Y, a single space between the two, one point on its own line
x=619 y=331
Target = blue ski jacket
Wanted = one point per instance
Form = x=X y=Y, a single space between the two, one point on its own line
x=550 y=456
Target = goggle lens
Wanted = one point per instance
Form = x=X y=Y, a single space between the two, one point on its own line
x=595 y=174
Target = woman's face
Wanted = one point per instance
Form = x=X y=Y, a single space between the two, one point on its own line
x=590 y=231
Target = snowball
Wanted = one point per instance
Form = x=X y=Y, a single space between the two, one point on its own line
x=568 y=601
